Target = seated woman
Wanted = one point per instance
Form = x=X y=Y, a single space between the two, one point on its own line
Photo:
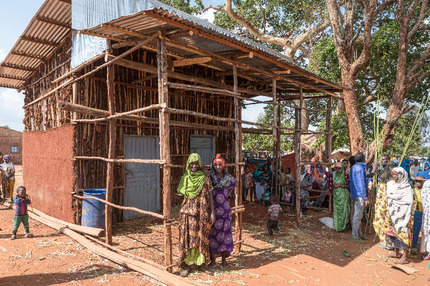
x=221 y=237
x=195 y=217
x=400 y=203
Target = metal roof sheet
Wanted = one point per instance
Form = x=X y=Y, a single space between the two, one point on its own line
x=46 y=30
x=52 y=22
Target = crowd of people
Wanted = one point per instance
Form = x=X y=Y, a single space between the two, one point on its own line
x=400 y=195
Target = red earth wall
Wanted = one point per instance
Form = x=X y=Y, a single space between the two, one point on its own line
x=48 y=170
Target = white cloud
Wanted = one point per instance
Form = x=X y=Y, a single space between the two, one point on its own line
x=208 y=15
x=3 y=54
x=11 y=111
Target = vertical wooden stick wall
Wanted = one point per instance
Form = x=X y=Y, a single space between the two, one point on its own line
x=163 y=97
x=111 y=154
x=298 y=155
x=328 y=143
x=238 y=158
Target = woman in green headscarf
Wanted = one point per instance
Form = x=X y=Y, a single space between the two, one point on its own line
x=195 y=217
x=341 y=198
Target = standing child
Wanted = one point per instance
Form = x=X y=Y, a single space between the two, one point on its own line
x=248 y=180
x=21 y=216
x=273 y=214
x=418 y=214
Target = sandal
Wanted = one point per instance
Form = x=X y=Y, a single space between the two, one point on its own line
x=426 y=257
x=359 y=240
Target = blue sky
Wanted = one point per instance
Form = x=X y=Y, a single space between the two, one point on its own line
x=15 y=16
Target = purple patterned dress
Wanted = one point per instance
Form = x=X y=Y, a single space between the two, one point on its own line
x=220 y=236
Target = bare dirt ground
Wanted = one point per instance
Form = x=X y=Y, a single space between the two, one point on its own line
x=311 y=255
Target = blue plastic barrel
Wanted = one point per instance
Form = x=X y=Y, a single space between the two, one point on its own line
x=93 y=211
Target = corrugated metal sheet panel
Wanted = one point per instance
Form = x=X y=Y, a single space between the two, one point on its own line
x=129 y=14
x=142 y=183
x=204 y=145
x=51 y=24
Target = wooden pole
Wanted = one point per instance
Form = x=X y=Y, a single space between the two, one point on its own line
x=275 y=140
x=328 y=144
x=278 y=145
x=69 y=82
x=111 y=154
x=238 y=158
x=163 y=98
x=74 y=99
x=297 y=155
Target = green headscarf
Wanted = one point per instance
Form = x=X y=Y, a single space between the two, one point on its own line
x=192 y=182
x=339 y=177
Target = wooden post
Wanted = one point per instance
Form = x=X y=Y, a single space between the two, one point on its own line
x=163 y=97
x=74 y=99
x=238 y=158
x=328 y=143
x=111 y=153
x=276 y=146
x=297 y=154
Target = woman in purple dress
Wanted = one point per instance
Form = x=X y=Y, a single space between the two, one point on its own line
x=220 y=237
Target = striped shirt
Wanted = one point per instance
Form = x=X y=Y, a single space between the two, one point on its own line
x=21 y=205
x=274 y=211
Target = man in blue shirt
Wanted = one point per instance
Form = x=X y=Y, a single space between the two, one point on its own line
x=358 y=187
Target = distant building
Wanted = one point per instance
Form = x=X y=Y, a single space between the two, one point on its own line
x=11 y=143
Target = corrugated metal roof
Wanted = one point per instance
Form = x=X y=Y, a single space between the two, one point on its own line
x=165 y=18
x=17 y=67
x=45 y=32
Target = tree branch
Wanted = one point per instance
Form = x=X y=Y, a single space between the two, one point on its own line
x=248 y=25
x=383 y=6
x=370 y=8
x=368 y=99
x=420 y=19
x=291 y=45
x=419 y=63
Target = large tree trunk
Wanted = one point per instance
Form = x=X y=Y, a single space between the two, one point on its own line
x=351 y=107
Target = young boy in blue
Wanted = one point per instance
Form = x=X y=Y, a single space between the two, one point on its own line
x=21 y=215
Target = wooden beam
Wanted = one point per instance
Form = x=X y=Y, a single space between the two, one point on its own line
x=189 y=78
x=53 y=22
x=111 y=153
x=37 y=41
x=163 y=98
x=101 y=36
x=122 y=161
x=13 y=77
x=66 y=1
x=138 y=46
x=17 y=67
x=29 y=56
x=298 y=156
x=238 y=158
x=282 y=72
x=97 y=232
x=249 y=55
x=103 y=113
x=328 y=142
x=279 y=62
x=139 y=266
x=78 y=68
x=125 y=31
x=121 y=207
x=189 y=62
x=254 y=69
x=150 y=77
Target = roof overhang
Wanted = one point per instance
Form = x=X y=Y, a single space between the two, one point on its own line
x=188 y=37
